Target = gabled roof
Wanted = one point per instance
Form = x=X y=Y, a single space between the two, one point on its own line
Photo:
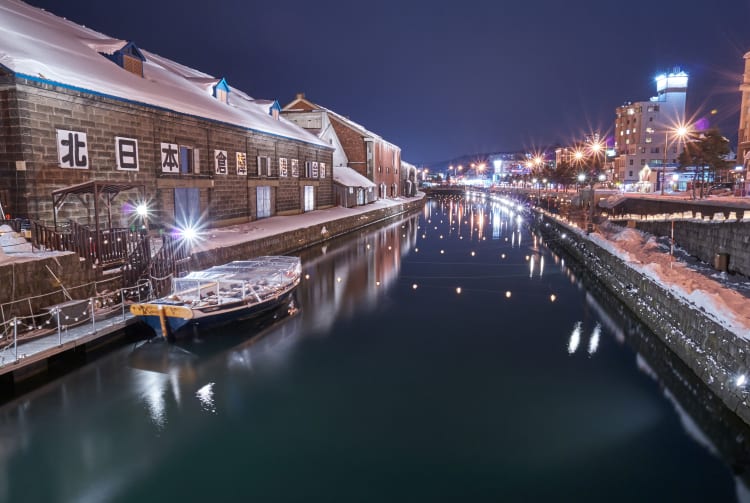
x=268 y=105
x=39 y=46
x=300 y=104
x=133 y=49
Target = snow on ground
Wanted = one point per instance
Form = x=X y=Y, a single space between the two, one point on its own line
x=15 y=248
x=723 y=301
x=258 y=229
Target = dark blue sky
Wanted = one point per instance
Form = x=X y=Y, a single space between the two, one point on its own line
x=442 y=79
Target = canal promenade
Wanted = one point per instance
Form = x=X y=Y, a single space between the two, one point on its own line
x=29 y=347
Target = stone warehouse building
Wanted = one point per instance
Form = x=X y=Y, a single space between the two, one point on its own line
x=77 y=106
x=356 y=147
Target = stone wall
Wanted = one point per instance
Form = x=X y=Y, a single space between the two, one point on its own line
x=716 y=355
x=39 y=110
x=299 y=238
x=32 y=282
x=707 y=238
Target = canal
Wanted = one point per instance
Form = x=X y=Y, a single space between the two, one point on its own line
x=450 y=356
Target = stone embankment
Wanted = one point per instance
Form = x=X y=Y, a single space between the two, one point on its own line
x=717 y=355
x=306 y=234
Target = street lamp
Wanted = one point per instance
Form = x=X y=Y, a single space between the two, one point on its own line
x=142 y=212
x=680 y=132
x=596 y=148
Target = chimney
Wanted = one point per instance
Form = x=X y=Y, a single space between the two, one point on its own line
x=300 y=96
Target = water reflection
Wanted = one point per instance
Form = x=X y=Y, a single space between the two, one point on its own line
x=349 y=276
x=575 y=338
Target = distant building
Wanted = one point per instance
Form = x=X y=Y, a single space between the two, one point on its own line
x=645 y=132
x=356 y=147
x=79 y=107
x=408 y=181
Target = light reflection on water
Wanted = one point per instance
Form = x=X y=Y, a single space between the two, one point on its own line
x=369 y=387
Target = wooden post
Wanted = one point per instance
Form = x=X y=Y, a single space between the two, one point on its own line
x=163 y=321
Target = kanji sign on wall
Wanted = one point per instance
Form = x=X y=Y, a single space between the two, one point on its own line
x=242 y=163
x=72 y=151
x=127 y=153
x=220 y=162
x=170 y=162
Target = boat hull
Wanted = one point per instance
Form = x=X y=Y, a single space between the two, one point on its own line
x=177 y=325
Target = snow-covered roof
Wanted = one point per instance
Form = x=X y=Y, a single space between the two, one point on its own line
x=40 y=46
x=346 y=176
x=107 y=46
x=347 y=121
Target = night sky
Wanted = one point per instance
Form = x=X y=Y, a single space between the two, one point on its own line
x=443 y=79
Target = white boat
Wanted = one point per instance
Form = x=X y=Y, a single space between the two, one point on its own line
x=235 y=291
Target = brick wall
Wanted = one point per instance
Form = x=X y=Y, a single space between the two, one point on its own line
x=354 y=146
x=11 y=148
x=43 y=108
x=387 y=163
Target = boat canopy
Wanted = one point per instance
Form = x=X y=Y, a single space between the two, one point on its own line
x=263 y=276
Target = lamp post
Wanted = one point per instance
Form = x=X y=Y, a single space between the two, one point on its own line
x=577 y=160
x=596 y=148
x=680 y=132
x=142 y=211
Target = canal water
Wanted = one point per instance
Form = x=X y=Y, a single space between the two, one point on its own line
x=450 y=356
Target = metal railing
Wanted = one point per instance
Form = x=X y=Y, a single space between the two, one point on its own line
x=27 y=332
